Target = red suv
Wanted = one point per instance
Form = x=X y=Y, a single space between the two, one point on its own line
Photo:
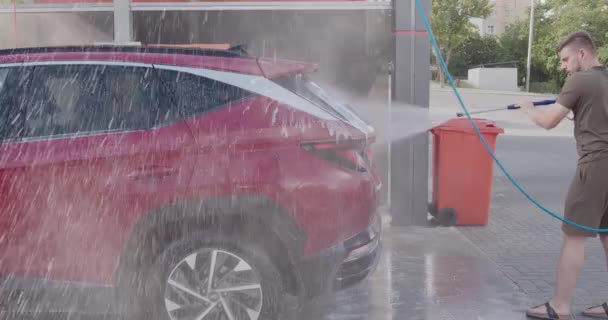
x=192 y=183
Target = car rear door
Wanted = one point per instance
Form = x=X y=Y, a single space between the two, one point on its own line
x=12 y=183
x=101 y=146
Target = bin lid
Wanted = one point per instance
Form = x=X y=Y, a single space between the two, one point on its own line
x=465 y=126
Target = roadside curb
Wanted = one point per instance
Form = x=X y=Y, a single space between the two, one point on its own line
x=505 y=93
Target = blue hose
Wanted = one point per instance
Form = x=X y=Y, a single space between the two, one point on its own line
x=466 y=111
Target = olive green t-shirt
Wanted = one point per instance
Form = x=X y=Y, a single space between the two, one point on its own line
x=586 y=94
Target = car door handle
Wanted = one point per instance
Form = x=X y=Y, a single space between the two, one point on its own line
x=153 y=172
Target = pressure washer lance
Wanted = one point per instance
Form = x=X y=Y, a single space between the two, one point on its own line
x=509 y=107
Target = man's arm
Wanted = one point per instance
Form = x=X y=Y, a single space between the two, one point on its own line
x=566 y=101
x=548 y=117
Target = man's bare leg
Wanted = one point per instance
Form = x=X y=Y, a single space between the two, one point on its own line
x=570 y=265
x=604 y=239
x=600 y=309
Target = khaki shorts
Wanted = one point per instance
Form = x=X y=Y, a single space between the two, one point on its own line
x=587 y=200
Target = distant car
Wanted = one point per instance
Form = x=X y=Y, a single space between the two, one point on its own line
x=191 y=183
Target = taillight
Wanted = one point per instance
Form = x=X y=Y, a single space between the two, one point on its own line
x=346 y=155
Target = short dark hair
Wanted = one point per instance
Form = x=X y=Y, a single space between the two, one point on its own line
x=580 y=39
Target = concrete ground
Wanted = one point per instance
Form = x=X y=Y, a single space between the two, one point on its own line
x=523 y=241
x=427 y=274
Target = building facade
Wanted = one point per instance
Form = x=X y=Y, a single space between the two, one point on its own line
x=505 y=13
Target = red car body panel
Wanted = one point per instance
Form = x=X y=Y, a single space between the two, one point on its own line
x=301 y=182
x=72 y=202
x=69 y=204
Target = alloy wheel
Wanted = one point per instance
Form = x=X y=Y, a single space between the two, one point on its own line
x=213 y=284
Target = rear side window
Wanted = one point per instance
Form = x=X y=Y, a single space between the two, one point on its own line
x=194 y=95
x=5 y=103
x=5 y=96
x=130 y=98
x=68 y=99
x=12 y=115
x=63 y=99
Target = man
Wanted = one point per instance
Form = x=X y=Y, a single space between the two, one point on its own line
x=585 y=94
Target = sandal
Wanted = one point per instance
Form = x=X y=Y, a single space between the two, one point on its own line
x=549 y=314
x=598 y=315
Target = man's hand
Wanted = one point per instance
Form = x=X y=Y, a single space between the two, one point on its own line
x=526 y=106
x=548 y=118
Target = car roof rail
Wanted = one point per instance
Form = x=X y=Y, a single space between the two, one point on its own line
x=236 y=51
x=109 y=43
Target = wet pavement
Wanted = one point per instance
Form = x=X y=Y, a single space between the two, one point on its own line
x=522 y=240
x=525 y=242
x=424 y=274
x=427 y=274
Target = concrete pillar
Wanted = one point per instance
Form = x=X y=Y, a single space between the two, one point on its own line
x=123 y=22
x=411 y=77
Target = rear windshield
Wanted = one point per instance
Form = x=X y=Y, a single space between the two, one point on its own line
x=301 y=85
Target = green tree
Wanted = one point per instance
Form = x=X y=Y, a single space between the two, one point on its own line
x=5 y=2
x=558 y=18
x=451 y=24
x=514 y=46
x=474 y=51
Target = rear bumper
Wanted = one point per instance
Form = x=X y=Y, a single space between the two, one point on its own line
x=356 y=270
x=344 y=265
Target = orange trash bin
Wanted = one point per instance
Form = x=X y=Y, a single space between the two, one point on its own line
x=463 y=172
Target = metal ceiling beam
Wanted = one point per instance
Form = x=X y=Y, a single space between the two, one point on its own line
x=261 y=5
x=58 y=8
x=203 y=6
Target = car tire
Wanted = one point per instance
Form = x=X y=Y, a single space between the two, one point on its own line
x=170 y=283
